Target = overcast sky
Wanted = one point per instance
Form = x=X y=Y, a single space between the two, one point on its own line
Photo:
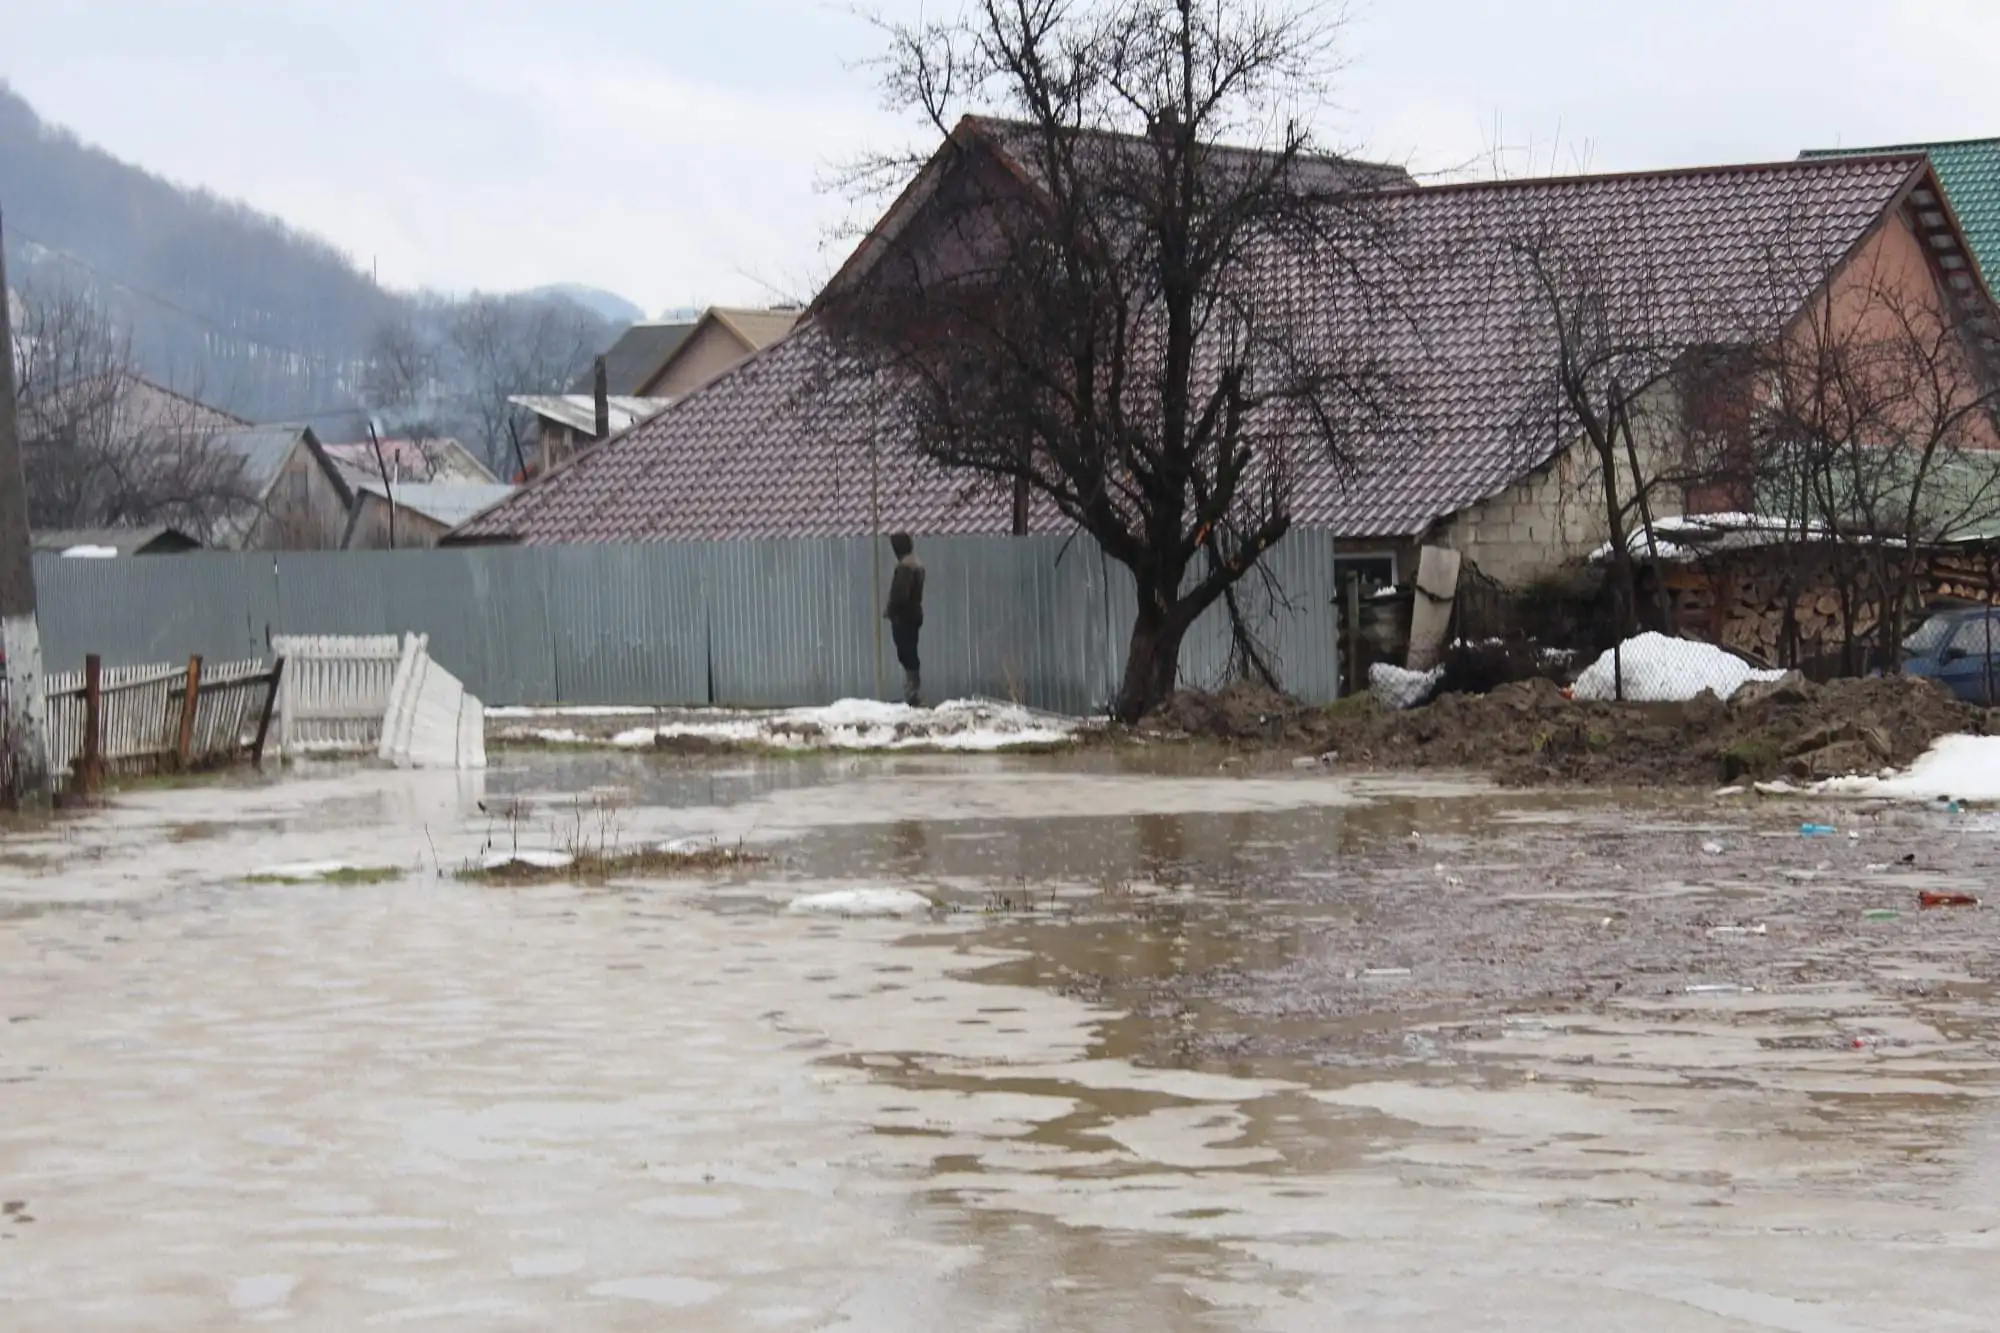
x=671 y=150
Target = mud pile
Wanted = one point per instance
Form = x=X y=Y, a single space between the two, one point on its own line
x=1527 y=732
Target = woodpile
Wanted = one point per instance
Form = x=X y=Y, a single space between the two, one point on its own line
x=1733 y=603
x=1964 y=573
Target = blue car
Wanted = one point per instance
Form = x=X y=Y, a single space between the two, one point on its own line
x=1959 y=649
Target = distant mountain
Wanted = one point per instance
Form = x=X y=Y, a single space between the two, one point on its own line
x=237 y=307
x=607 y=306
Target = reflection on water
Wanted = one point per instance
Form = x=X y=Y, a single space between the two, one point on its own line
x=1189 y=1048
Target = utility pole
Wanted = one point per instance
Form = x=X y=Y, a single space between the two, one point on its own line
x=600 y=400
x=26 y=730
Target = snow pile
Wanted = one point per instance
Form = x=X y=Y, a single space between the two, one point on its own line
x=1397 y=688
x=1962 y=768
x=863 y=724
x=91 y=553
x=1658 y=669
x=861 y=902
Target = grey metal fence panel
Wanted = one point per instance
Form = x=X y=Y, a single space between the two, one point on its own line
x=629 y=623
x=791 y=623
x=1042 y=620
x=484 y=608
x=152 y=609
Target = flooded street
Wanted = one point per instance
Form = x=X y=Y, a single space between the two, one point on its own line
x=1180 y=1047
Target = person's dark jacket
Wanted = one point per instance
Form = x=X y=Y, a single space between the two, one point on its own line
x=906 y=592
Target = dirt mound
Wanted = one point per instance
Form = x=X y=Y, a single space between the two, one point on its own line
x=1242 y=711
x=1527 y=732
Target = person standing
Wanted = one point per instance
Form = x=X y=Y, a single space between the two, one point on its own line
x=905 y=614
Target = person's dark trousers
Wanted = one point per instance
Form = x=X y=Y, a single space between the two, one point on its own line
x=904 y=632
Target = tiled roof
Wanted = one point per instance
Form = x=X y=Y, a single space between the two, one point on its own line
x=775 y=447
x=1969 y=170
x=771 y=448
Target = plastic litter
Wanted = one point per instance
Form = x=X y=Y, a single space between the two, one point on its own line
x=1711 y=849
x=1386 y=973
x=1759 y=929
x=1928 y=899
x=1817 y=830
x=1880 y=914
x=1723 y=988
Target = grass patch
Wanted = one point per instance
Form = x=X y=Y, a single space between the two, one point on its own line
x=602 y=866
x=1750 y=757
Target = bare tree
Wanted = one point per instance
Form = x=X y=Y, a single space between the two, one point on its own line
x=1619 y=347
x=1112 y=335
x=103 y=447
x=1874 y=431
x=499 y=346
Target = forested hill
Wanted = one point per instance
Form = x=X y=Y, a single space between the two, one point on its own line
x=219 y=300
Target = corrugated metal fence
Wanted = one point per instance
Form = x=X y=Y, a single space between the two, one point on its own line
x=1042 y=620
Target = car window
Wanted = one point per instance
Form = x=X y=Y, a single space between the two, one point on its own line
x=1976 y=636
x=1931 y=637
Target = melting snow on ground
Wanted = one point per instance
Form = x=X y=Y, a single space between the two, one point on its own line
x=1962 y=768
x=1658 y=669
x=862 y=902
x=300 y=872
x=863 y=724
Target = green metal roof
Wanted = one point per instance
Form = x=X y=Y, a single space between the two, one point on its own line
x=1969 y=170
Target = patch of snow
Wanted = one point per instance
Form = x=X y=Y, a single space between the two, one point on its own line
x=572 y=710
x=1397 y=688
x=1658 y=669
x=861 y=902
x=970 y=725
x=540 y=860
x=302 y=872
x=1960 y=768
x=91 y=553
x=1682 y=537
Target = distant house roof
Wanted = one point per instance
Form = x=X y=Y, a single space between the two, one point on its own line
x=1969 y=170
x=149 y=539
x=145 y=406
x=751 y=330
x=578 y=411
x=784 y=445
x=449 y=503
x=635 y=359
x=264 y=449
x=411 y=460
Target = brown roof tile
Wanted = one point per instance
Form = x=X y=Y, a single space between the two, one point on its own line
x=774 y=447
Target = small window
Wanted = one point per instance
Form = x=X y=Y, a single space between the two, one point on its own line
x=1375 y=570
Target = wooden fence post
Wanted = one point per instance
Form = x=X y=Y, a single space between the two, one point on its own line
x=91 y=771
x=264 y=722
x=188 y=707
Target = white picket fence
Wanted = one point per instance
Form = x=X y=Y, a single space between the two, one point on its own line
x=348 y=693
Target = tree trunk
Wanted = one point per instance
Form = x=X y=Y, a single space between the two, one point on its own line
x=1152 y=663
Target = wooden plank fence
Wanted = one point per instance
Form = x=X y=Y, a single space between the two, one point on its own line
x=126 y=721
x=336 y=689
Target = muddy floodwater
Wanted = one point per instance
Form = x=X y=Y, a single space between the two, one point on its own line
x=1180 y=1046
